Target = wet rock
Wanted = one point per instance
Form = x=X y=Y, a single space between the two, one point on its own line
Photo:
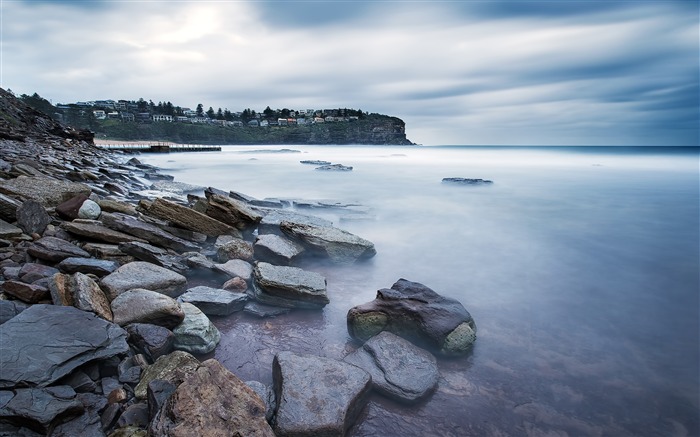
x=28 y=293
x=89 y=210
x=109 y=205
x=86 y=425
x=171 y=368
x=97 y=267
x=31 y=272
x=139 y=274
x=152 y=340
x=236 y=268
x=315 y=162
x=96 y=231
x=47 y=191
x=399 y=369
x=55 y=249
x=316 y=395
x=338 y=245
x=147 y=231
x=69 y=209
x=289 y=287
x=80 y=291
x=335 y=167
x=129 y=431
x=8 y=208
x=261 y=310
x=9 y=231
x=415 y=312
x=146 y=306
x=266 y=395
x=235 y=249
x=466 y=181
x=79 y=381
x=134 y=415
x=270 y=223
x=154 y=255
x=39 y=408
x=231 y=211
x=236 y=284
x=32 y=217
x=196 y=334
x=275 y=249
x=214 y=301
x=188 y=411
x=69 y=336
x=189 y=218
x=159 y=391
x=9 y=309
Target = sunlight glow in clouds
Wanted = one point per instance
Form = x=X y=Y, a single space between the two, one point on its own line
x=456 y=72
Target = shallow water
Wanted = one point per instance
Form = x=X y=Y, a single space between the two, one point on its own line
x=579 y=265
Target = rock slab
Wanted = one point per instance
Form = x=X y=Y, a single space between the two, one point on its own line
x=289 y=287
x=139 y=274
x=337 y=245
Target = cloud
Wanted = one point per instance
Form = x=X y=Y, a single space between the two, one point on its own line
x=456 y=72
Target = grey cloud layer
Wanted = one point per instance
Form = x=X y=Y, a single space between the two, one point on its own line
x=457 y=72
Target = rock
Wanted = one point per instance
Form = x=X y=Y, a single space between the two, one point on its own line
x=96 y=231
x=466 y=181
x=316 y=395
x=214 y=301
x=69 y=336
x=235 y=249
x=152 y=340
x=267 y=203
x=196 y=334
x=189 y=218
x=266 y=395
x=289 y=287
x=39 y=408
x=31 y=272
x=32 y=217
x=134 y=415
x=173 y=187
x=172 y=368
x=47 y=191
x=28 y=293
x=231 y=211
x=89 y=210
x=236 y=284
x=108 y=205
x=8 y=208
x=9 y=309
x=154 y=255
x=339 y=246
x=159 y=391
x=315 y=162
x=80 y=291
x=275 y=249
x=335 y=167
x=139 y=274
x=79 y=381
x=9 y=231
x=86 y=425
x=270 y=223
x=55 y=249
x=146 y=306
x=236 y=268
x=415 y=312
x=97 y=267
x=129 y=431
x=261 y=310
x=69 y=209
x=399 y=369
x=211 y=401
x=147 y=231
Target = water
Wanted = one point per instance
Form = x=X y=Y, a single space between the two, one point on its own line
x=579 y=265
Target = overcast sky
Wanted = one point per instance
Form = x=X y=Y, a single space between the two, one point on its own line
x=457 y=72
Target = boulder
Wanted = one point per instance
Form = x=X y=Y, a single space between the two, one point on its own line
x=275 y=249
x=47 y=191
x=108 y=205
x=415 y=312
x=236 y=248
x=89 y=210
x=231 y=211
x=47 y=342
x=139 y=274
x=145 y=306
x=31 y=272
x=8 y=208
x=88 y=424
x=270 y=223
x=97 y=231
x=172 y=368
x=135 y=415
x=236 y=284
x=152 y=340
x=28 y=293
x=68 y=210
x=338 y=245
x=154 y=255
x=196 y=334
x=39 y=409
x=147 y=231
x=32 y=217
x=190 y=411
x=289 y=287
x=92 y=266
x=236 y=268
x=399 y=369
x=8 y=230
x=316 y=395
x=80 y=291
x=214 y=301
x=189 y=218
x=55 y=249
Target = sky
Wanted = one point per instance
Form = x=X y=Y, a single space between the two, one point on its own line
x=457 y=72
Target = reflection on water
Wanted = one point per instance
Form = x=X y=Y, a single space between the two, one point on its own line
x=580 y=267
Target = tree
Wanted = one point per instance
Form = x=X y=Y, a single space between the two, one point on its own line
x=142 y=105
x=228 y=115
x=219 y=114
x=200 y=110
x=210 y=112
x=268 y=112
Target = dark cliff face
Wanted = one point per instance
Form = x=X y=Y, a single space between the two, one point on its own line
x=20 y=122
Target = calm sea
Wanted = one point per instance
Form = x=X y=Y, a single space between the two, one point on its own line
x=579 y=265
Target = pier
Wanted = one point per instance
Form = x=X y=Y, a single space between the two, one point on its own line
x=159 y=148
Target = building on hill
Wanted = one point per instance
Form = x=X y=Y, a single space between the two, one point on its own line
x=162 y=117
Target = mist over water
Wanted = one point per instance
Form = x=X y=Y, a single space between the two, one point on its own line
x=579 y=265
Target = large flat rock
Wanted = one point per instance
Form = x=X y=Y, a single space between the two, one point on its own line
x=47 y=191
x=337 y=245
x=95 y=230
x=147 y=231
x=39 y=408
x=188 y=218
x=139 y=274
x=47 y=342
x=231 y=211
x=214 y=301
x=289 y=286
x=55 y=249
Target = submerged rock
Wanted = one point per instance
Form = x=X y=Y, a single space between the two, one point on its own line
x=415 y=312
x=315 y=162
x=466 y=181
x=214 y=301
x=335 y=167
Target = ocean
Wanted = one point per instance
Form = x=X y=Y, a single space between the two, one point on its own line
x=580 y=266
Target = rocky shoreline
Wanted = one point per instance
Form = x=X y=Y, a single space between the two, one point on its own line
x=108 y=284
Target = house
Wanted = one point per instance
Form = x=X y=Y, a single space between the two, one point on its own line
x=199 y=120
x=318 y=120
x=109 y=104
x=301 y=120
x=182 y=119
x=264 y=123
x=127 y=116
x=281 y=121
x=189 y=112
x=162 y=117
x=291 y=121
x=143 y=117
x=331 y=118
x=113 y=115
x=236 y=123
x=121 y=105
x=99 y=114
x=254 y=123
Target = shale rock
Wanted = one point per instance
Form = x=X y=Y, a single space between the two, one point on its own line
x=317 y=395
x=8 y=208
x=55 y=249
x=236 y=268
x=289 y=287
x=235 y=249
x=80 y=291
x=270 y=223
x=231 y=211
x=97 y=267
x=9 y=231
x=154 y=255
x=399 y=369
x=9 y=309
x=146 y=306
x=214 y=301
x=189 y=411
x=69 y=336
x=31 y=272
x=152 y=340
x=189 y=218
x=275 y=249
x=172 y=368
x=140 y=274
x=39 y=408
x=32 y=217
x=47 y=191
x=97 y=231
x=28 y=293
x=196 y=334
x=147 y=231
x=338 y=245
x=415 y=312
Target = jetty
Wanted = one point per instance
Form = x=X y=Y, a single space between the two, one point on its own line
x=158 y=147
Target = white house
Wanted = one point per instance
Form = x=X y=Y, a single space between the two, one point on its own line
x=162 y=117
x=99 y=114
